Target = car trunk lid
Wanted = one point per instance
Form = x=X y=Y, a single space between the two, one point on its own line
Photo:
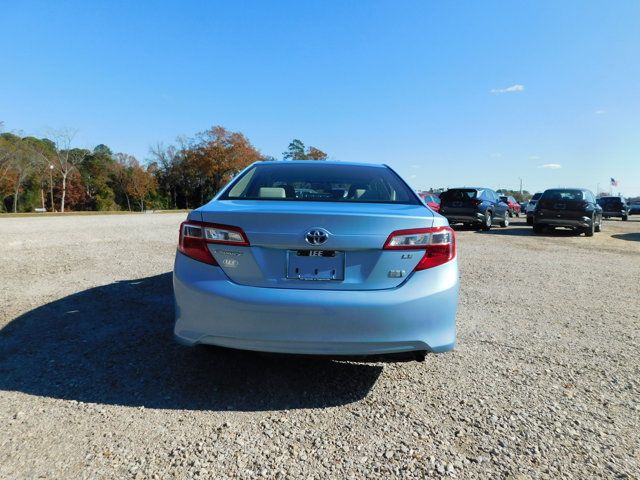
x=280 y=256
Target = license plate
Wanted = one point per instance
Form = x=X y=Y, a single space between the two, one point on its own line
x=319 y=265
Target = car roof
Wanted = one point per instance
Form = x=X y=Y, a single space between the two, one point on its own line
x=320 y=162
x=567 y=189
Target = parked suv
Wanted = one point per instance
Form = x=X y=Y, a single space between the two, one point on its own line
x=531 y=206
x=614 y=207
x=512 y=204
x=481 y=207
x=568 y=207
x=634 y=208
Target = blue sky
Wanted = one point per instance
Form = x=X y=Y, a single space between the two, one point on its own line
x=448 y=93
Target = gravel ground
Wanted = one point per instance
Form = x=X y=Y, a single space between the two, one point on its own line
x=544 y=381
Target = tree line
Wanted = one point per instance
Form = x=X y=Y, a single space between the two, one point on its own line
x=51 y=174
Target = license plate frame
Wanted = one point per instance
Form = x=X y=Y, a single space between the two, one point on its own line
x=316 y=265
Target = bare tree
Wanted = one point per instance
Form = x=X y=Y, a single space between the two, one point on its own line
x=167 y=158
x=65 y=158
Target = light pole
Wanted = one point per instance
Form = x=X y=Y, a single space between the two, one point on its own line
x=51 y=186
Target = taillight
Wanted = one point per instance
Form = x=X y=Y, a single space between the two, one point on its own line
x=476 y=202
x=438 y=243
x=194 y=237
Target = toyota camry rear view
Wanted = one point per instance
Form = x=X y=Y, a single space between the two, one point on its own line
x=320 y=258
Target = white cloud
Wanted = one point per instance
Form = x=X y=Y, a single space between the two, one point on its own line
x=534 y=157
x=600 y=112
x=551 y=166
x=513 y=88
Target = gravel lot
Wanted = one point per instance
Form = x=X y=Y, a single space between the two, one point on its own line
x=544 y=382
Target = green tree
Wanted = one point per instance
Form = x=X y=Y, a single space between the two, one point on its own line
x=297 y=151
x=95 y=170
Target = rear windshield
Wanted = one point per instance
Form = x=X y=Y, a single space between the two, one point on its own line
x=536 y=196
x=563 y=195
x=610 y=201
x=320 y=182
x=459 y=194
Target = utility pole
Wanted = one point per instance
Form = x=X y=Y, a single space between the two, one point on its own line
x=520 y=186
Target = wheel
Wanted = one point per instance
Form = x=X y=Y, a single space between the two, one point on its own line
x=588 y=232
x=537 y=228
x=511 y=213
x=505 y=223
x=517 y=214
x=599 y=226
x=529 y=220
x=487 y=221
x=625 y=218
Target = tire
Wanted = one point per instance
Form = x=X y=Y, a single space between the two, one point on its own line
x=529 y=221
x=599 y=227
x=505 y=223
x=488 y=220
x=517 y=214
x=588 y=232
x=537 y=228
x=625 y=218
x=511 y=213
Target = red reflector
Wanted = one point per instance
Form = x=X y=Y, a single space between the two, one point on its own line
x=436 y=255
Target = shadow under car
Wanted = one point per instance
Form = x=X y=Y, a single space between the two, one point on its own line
x=114 y=344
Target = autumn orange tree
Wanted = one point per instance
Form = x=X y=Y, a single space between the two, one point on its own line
x=201 y=166
x=141 y=183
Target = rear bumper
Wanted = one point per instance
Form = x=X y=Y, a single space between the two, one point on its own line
x=417 y=316
x=471 y=218
x=583 y=222
x=619 y=214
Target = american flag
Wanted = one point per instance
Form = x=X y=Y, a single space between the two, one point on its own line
x=614 y=182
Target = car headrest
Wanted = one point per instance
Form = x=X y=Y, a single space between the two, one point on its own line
x=271 y=192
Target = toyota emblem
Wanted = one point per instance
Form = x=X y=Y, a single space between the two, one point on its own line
x=316 y=236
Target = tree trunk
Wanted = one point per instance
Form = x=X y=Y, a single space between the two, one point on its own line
x=42 y=195
x=128 y=202
x=64 y=191
x=142 y=205
x=15 y=197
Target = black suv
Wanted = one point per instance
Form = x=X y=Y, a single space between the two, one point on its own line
x=474 y=206
x=568 y=207
x=614 y=207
